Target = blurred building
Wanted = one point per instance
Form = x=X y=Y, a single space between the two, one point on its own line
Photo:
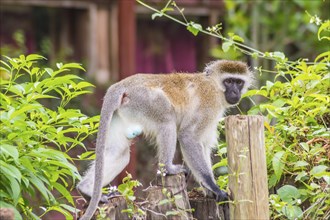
x=113 y=38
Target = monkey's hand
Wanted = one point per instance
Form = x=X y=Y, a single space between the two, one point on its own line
x=221 y=196
x=105 y=198
x=113 y=194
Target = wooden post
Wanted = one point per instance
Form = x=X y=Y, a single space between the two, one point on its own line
x=7 y=214
x=247 y=167
x=111 y=210
x=206 y=208
x=160 y=202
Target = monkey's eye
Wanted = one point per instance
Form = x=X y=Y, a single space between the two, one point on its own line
x=239 y=82
x=228 y=81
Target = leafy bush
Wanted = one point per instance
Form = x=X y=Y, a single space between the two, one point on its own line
x=36 y=140
x=297 y=109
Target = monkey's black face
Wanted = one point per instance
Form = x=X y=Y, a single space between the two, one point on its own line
x=233 y=90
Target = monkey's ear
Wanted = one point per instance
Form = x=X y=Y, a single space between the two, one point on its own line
x=208 y=70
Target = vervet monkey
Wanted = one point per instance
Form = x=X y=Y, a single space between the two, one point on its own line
x=167 y=108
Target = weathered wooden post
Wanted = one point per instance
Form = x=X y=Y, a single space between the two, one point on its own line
x=111 y=210
x=7 y=214
x=247 y=167
x=206 y=208
x=160 y=202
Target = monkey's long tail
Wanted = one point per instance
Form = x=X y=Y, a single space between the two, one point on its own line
x=112 y=101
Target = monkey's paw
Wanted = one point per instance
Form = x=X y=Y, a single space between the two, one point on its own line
x=221 y=196
x=105 y=198
x=175 y=169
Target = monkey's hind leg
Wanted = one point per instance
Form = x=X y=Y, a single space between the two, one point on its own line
x=112 y=167
x=116 y=157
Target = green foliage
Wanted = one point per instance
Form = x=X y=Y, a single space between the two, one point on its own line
x=126 y=190
x=297 y=110
x=277 y=25
x=36 y=169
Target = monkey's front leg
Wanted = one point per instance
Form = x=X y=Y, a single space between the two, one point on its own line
x=166 y=142
x=200 y=166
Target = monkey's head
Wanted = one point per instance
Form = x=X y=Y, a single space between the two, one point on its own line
x=233 y=77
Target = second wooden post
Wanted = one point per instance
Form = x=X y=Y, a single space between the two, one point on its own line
x=247 y=167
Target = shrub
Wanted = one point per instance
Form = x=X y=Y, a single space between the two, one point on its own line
x=36 y=140
x=297 y=111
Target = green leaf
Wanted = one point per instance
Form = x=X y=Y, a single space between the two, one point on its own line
x=9 y=150
x=255 y=92
x=26 y=162
x=73 y=66
x=305 y=146
x=10 y=170
x=287 y=193
x=222 y=163
x=292 y=212
x=327 y=179
x=40 y=186
x=88 y=154
x=59 y=81
x=64 y=192
x=49 y=71
x=69 y=208
x=15 y=189
x=155 y=15
x=5 y=98
x=24 y=110
x=279 y=55
x=167 y=9
x=300 y=175
x=278 y=165
x=300 y=164
x=318 y=171
x=33 y=57
x=59 y=65
x=236 y=37
x=194 y=28
x=82 y=85
x=279 y=102
x=226 y=46
x=67 y=215
x=323 y=56
x=324 y=27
